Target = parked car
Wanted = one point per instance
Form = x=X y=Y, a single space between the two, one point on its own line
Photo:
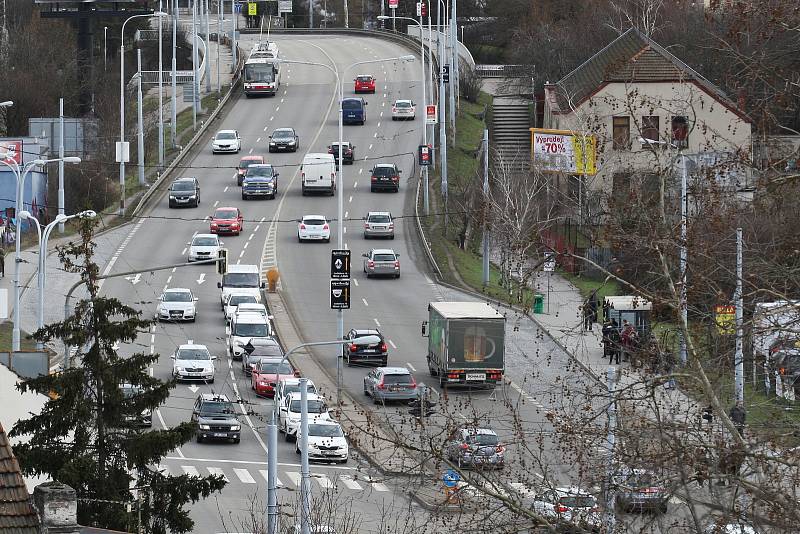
x=215 y=417
x=475 y=447
x=378 y=224
x=177 y=304
x=232 y=301
x=385 y=176
x=244 y=163
x=266 y=374
x=348 y=152
x=313 y=228
x=131 y=393
x=569 y=508
x=364 y=83
x=390 y=383
x=289 y=414
x=193 y=362
x=184 y=192
x=403 y=110
x=227 y=220
x=284 y=139
x=258 y=348
x=204 y=247
x=326 y=442
x=639 y=489
x=226 y=141
x=371 y=354
x=382 y=262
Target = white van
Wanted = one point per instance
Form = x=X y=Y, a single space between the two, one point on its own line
x=318 y=173
x=240 y=279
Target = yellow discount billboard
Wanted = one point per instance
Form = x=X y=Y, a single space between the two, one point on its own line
x=563 y=151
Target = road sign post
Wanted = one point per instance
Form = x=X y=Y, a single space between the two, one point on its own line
x=425 y=155
x=431 y=115
x=340 y=294
x=446 y=73
x=451 y=478
x=340 y=264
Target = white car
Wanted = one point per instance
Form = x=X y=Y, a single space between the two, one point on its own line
x=232 y=301
x=569 y=507
x=289 y=414
x=177 y=304
x=193 y=362
x=404 y=109
x=204 y=247
x=326 y=442
x=226 y=141
x=313 y=228
x=251 y=307
x=244 y=327
x=287 y=386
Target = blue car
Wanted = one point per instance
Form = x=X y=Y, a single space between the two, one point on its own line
x=354 y=110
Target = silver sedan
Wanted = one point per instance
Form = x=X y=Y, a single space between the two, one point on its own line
x=382 y=262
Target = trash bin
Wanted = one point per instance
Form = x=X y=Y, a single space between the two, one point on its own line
x=538 y=303
x=272 y=279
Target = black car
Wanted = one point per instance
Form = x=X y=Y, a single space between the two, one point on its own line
x=639 y=490
x=385 y=176
x=284 y=139
x=184 y=192
x=215 y=418
x=257 y=348
x=348 y=152
x=137 y=418
x=372 y=354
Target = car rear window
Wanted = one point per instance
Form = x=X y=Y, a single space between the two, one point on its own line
x=364 y=79
x=235 y=300
x=397 y=379
x=247 y=162
x=384 y=257
x=379 y=219
x=578 y=501
x=402 y=104
x=225 y=214
x=251 y=330
x=384 y=171
x=314 y=222
x=314 y=406
x=483 y=439
x=351 y=104
x=272 y=368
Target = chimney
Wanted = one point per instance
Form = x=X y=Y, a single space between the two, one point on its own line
x=57 y=505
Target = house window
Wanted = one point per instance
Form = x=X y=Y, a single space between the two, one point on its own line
x=621 y=186
x=621 y=130
x=650 y=129
x=680 y=131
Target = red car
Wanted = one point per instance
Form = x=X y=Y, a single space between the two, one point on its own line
x=227 y=221
x=365 y=83
x=245 y=162
x=266 y=374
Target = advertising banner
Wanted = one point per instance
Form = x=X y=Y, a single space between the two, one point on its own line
x=11 y=151
x=563 y=151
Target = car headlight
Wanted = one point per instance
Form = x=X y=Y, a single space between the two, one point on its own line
x=236 y=427
x=272 y=142
x=193 y=195
x=205 y=427
x=179 y=369
x=292 y=142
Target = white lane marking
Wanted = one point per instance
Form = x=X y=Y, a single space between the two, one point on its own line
x=250 y=237
x=174 y=269
x=256 y=228
x=265 y=474
x=151 y=368
x=355 y=282
x=251 y=462
x=244 y=476
x=272 y=118
x=245 y=245
x=375 y=135
x=262 y=219
x=265 y=128
x=183 y=252
x=346 y=214
x=169 y=279
x=241 y=254
x=190 y=470
x=370 y=147
x=277 y=108
x=350 y=199
x=225 y=190
x=294 y=477
x=525 y=395
x=218 y=471
x=216 y=203
x=284 y=91
x=365 y=302
x=381 y=115
x=250 y=151
x=323 y=480
x=383 y=104
x=361 y=170
x=281 y=100
x=355 y=185
x=258 y=140
x=350 y=482
x=378 y=324
x=379 y=124
x=344 y=230
x=392 y=344
x=165 y=287
x=379 y=486
x=410 y=367
x=384 y=94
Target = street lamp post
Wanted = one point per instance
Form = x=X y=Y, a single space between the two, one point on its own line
x=121 y=152
x=21 y=173
x=44 y=236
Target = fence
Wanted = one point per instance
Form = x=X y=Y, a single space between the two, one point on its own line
x=500 y=71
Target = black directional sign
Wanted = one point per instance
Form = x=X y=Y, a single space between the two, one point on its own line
x=340 y=294
x=446 y=73
x=340 y=263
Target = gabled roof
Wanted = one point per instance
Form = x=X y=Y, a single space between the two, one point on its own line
x=632 y=57
x=17 y=514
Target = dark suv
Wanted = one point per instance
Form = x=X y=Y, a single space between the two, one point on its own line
x=215 y=418
x=348 y=152
x=385 y=176
x=184 y=192
x=639 y=490
x=373 y=354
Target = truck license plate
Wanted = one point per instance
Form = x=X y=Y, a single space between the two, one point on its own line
x=476 y=376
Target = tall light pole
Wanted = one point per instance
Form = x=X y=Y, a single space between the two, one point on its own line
x=139 y=117
x=174 y=75
x=272 y=441
x=44 y=235
x=160 y=92
x=441 y=101
x=122 y=153
x=21 y=173
x=340 y=188
x=105 y=47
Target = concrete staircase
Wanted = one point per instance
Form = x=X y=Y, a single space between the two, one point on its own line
x=510 y=134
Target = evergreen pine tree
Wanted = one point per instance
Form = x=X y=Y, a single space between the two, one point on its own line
x=87 y=434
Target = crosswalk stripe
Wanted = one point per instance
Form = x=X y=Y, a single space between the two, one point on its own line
x=294 y=477
x=218 y=471
x=349 y=482
x=244 y=476
x=191 y=470
x=323 y=480
x=379 y=486
x=265 y=474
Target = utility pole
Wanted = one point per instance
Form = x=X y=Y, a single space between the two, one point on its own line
x=140 y=117
x=453 y=75
x=305 y=482
x=234 y=25
x=684 y=254
x=208 y=49
x=311 y=25
x=739 y=360
x=611 y=442
x=61 y=162
x=175 y=13
x=347 y=15
x=442 y=97
x=219 y=45
x=485 y=277
x=272 y=474
x=195 y=87
x=160 y=91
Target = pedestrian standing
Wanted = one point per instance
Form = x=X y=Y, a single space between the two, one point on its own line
x=593 y=308
x=738 y=415
x=606 y=310
x=669 y=367
x=587 y=316
x=628 y=336
x=606 y=331
x=614 y=342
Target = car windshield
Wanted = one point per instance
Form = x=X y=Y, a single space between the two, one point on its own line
x=327 y=431
x=314 y=222
x=578 y=501
x=235 y=300
x=335 y=146
x=351 y=104
x=397 y=379
x=240 y=280
x=183 y=186
x=365 y=79
x=193 y=354
x=204 y=242
x=251 y=330
x=265 y=171
x=226 y=135
x=402 y=104
x=384 y=171
x=482 y=439
x=217 y=407
x=288 y=389
x=177 y=296
x=225 y=214
x=272 y=368
x=282 y=134
x=259 y=72
x=314 y=406
x=384 y=257
x=247 y=162
x=379 y=219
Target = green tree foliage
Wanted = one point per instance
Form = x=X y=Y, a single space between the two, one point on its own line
x=87 y=435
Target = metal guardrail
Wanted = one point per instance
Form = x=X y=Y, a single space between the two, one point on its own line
x=500 y=71
x=181 y=76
